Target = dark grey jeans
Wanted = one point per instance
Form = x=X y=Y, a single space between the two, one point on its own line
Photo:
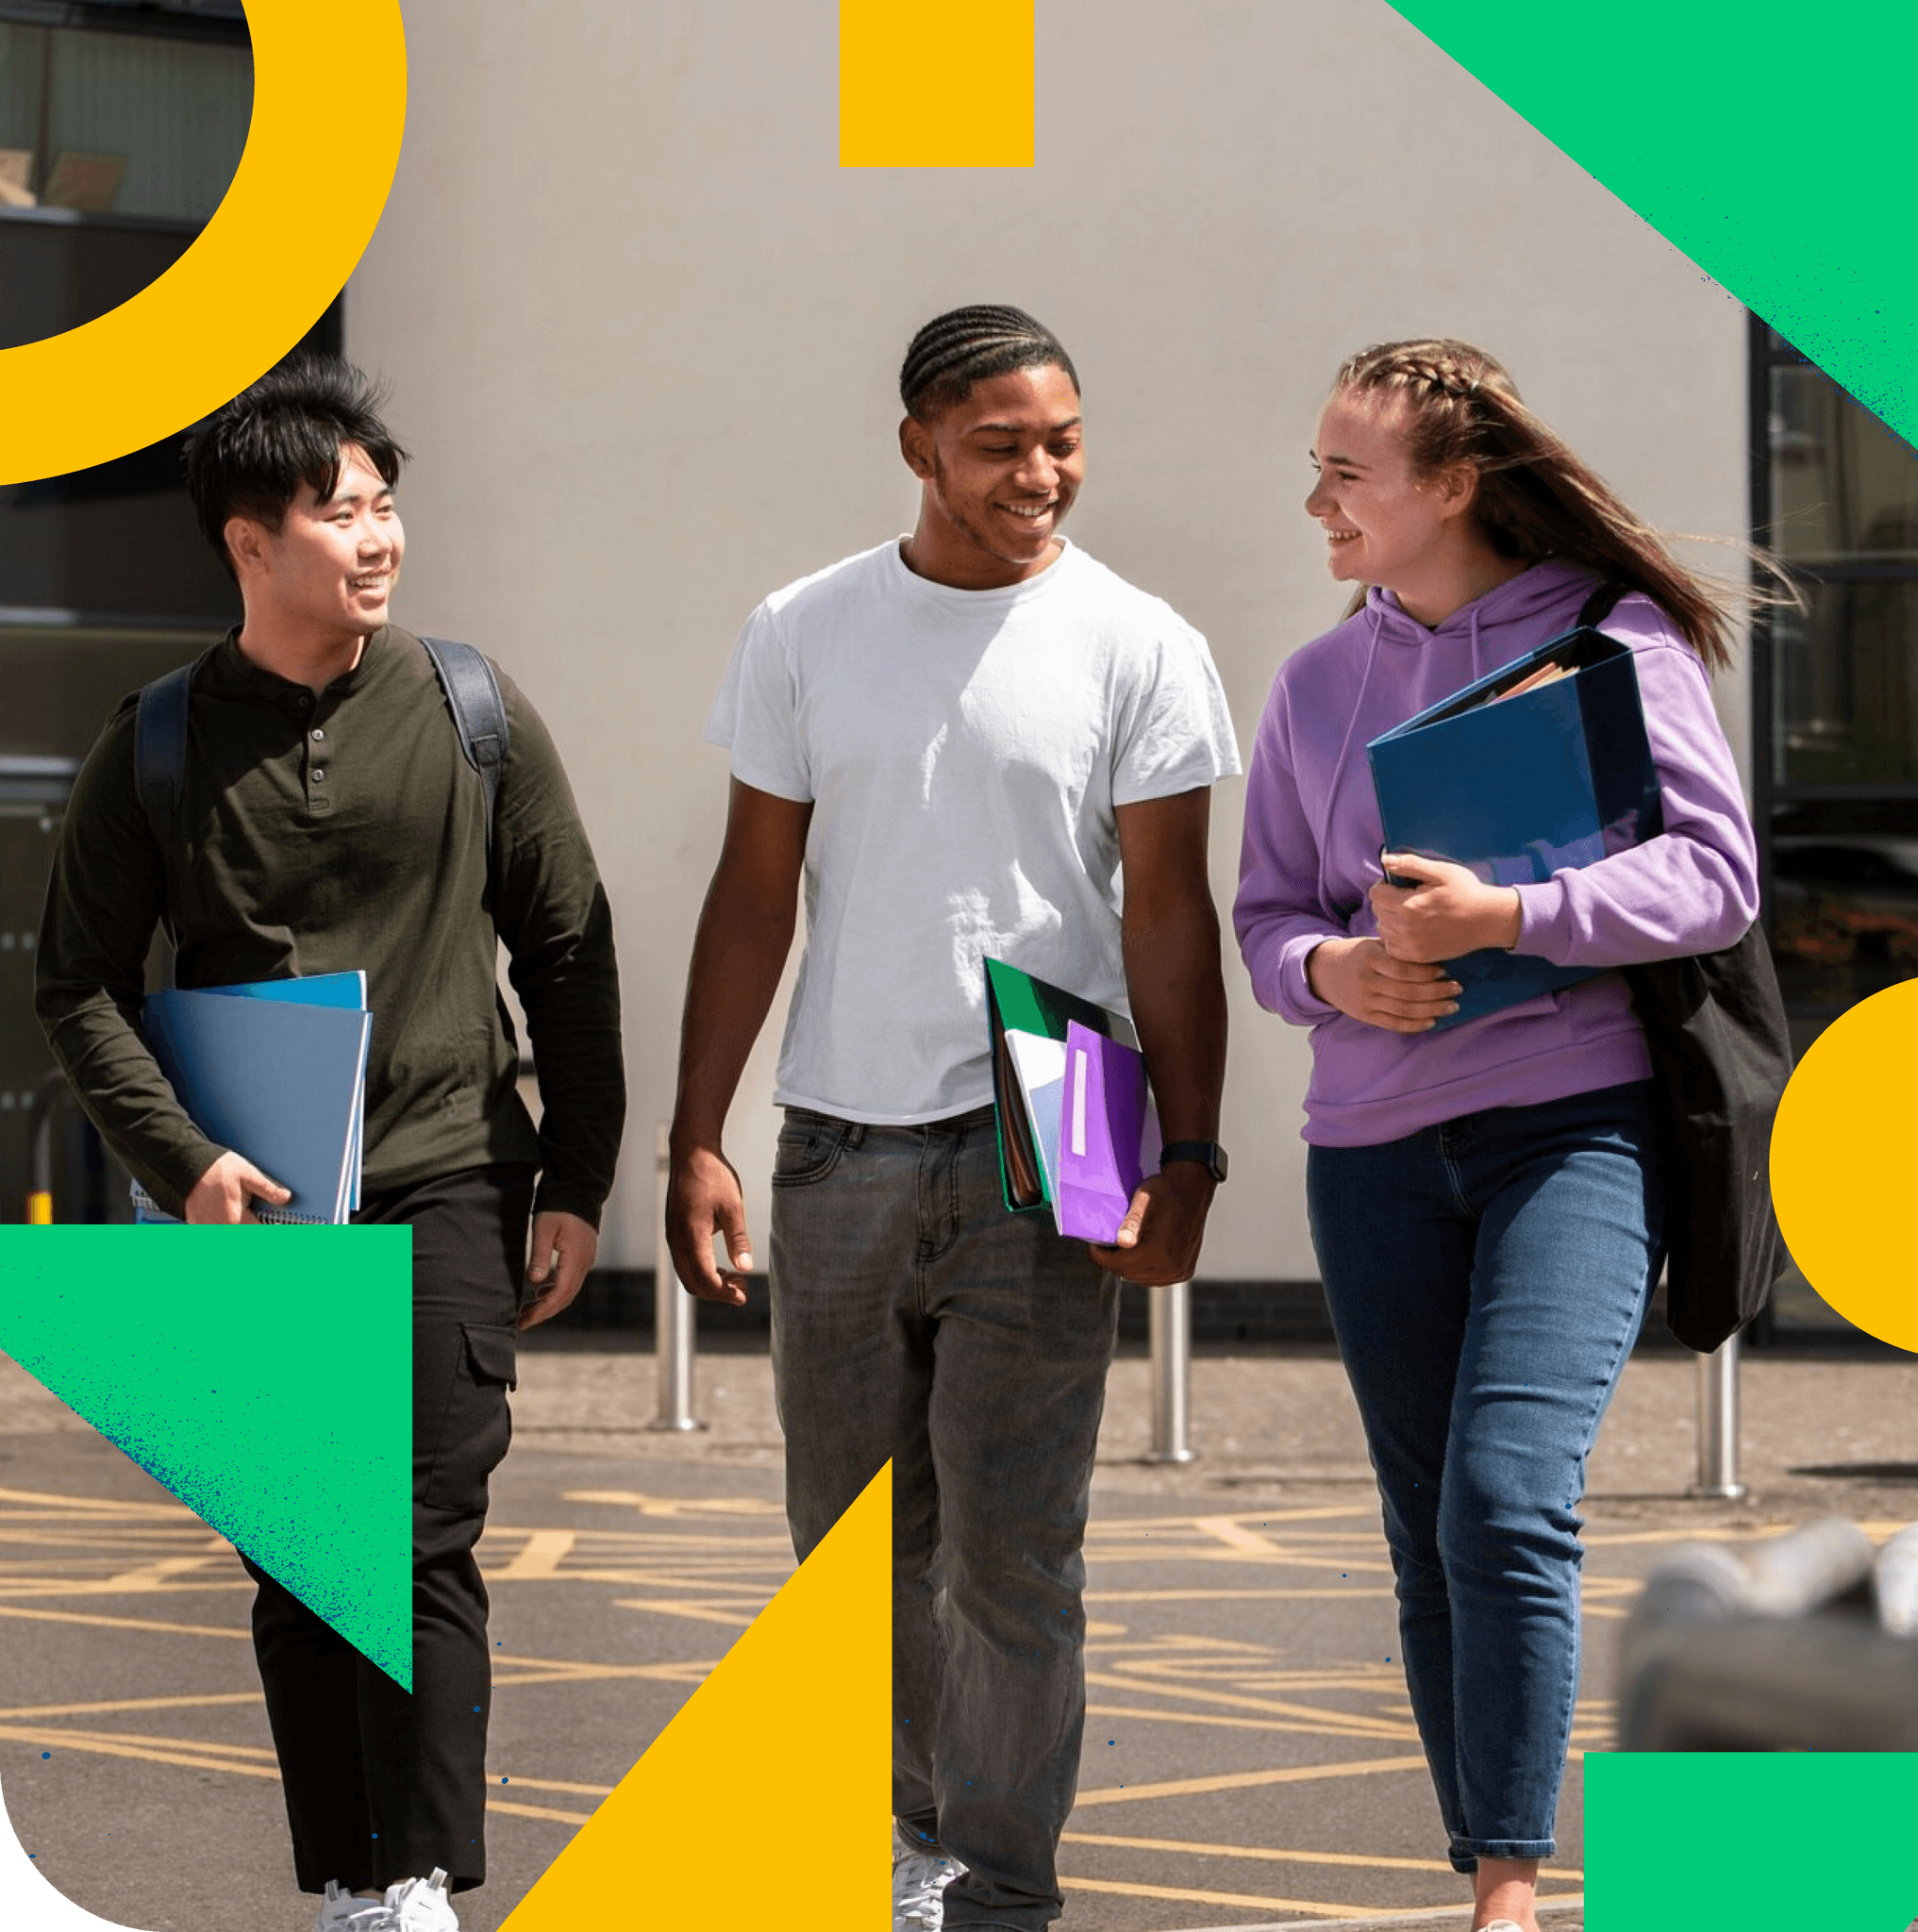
x=913 y=1317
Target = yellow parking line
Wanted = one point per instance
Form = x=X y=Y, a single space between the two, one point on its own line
x=130 y=1622
x=1346 y=1724
x=704 y=1613
x=538 y=1811
x=202 y=1757
x=97 y=1506
x=1209 y=1596
x=1246 y=1724
x=1189 y=1895
x=1211 y=1850
x=1248 y=1780
x=1177 y=1845
x=186 y=1702
x=544 y=1551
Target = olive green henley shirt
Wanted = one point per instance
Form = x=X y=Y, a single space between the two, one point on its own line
x=328 y=834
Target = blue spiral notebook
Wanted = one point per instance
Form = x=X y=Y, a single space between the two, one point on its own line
x=276 y=1070
x=1541 y=765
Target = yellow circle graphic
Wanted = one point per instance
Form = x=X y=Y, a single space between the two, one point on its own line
x=329 y=103
x=1844 y=1152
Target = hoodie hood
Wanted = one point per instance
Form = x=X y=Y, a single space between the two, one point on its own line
x=1522 y=603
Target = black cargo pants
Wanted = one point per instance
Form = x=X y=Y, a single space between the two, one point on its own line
x=382 y=1786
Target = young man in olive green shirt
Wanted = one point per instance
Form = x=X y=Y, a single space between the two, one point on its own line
x=330 y=822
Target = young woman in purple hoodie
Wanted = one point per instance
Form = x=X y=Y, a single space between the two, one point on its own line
x=1485 y=1200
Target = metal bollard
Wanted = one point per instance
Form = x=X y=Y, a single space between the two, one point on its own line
x=673 y=1312
x=1172 y=1373
x=1718 y=1425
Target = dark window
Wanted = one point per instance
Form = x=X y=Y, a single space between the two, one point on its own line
x=1835 y=688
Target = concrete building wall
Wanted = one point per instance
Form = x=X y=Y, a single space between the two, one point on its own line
x=642 y=333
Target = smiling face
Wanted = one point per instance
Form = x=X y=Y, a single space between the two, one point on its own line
x=1000 y=469
x=326 y=575
x=1384 y=525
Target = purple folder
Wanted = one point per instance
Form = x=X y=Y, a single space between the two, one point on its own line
x=1107 y=1135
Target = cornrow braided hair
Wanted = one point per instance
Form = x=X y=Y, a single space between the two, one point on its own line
x=967 y=345
x=1535 y=498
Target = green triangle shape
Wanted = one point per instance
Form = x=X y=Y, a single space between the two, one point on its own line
x=264 y=1375
x=1771 y=146
x=1694 y=1839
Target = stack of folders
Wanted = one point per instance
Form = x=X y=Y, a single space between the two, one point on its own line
x=1077 y=1128
x=1541 y=766
x=275 y=1070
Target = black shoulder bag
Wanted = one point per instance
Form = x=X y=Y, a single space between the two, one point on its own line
x=1721 y=1055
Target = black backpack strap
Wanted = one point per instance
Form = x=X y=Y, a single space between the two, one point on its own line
x=478 y=710
x=160 y=745
x=1597 y=607
x=159 y=758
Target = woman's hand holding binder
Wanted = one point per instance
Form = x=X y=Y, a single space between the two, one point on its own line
x=1447 y=909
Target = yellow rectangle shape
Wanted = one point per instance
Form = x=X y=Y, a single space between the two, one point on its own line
x=936 y=83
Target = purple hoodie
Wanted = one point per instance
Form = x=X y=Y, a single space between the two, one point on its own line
x=1312 y=836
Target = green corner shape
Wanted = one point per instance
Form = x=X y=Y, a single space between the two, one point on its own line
x=1750 y=1841
x=264 y=1375
x=1771 y=146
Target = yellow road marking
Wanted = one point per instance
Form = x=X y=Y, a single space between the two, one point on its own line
x=704 y=1613
x=544 y=1551
x=1339 y=1724
x=127 y=1622
x=98 y=1505
x=1191 y=1895
x=678 y=1505
x=538 y=1811
x=1318 y=1513
x=1179 y=1844
x=187 y=1703
x=1248 y=1780
x=1284 y=1904
x=1208 y=1596
x=200 y=1758
x=1214 y=1719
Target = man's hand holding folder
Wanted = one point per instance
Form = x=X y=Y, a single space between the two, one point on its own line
x=225 y=1195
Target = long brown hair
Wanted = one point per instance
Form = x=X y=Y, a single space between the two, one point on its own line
x=1534 y=498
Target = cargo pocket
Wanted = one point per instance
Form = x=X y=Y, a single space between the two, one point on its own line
x=476 y=1424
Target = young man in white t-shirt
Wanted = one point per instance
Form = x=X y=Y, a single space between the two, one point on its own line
x=957 y=742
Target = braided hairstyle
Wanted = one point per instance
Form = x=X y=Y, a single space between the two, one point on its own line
x=1534 y=498
x=967 y=345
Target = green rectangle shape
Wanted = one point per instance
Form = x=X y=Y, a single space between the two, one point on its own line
x=1751 y=1841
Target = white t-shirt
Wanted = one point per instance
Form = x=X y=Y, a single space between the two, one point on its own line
x=964 y=751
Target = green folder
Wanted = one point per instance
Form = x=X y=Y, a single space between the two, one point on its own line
x=1017 y=1002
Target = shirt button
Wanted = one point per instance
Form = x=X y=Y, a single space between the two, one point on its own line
x=318 y=734
x=319 y=777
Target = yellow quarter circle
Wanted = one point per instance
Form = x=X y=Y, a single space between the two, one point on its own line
x=329 y=97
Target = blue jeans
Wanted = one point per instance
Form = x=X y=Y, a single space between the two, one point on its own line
x=913 y=1317
x=1486 y=1278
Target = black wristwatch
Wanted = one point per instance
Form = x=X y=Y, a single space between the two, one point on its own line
x=1209 y=1155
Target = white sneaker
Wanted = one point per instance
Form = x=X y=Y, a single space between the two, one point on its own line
x=919 y=1879
x=340 y=1912
x=420 y=1905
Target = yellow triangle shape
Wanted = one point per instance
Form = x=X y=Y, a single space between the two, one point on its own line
x=777 y=1771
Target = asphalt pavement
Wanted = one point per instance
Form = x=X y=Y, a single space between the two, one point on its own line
x=1250 y=1758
